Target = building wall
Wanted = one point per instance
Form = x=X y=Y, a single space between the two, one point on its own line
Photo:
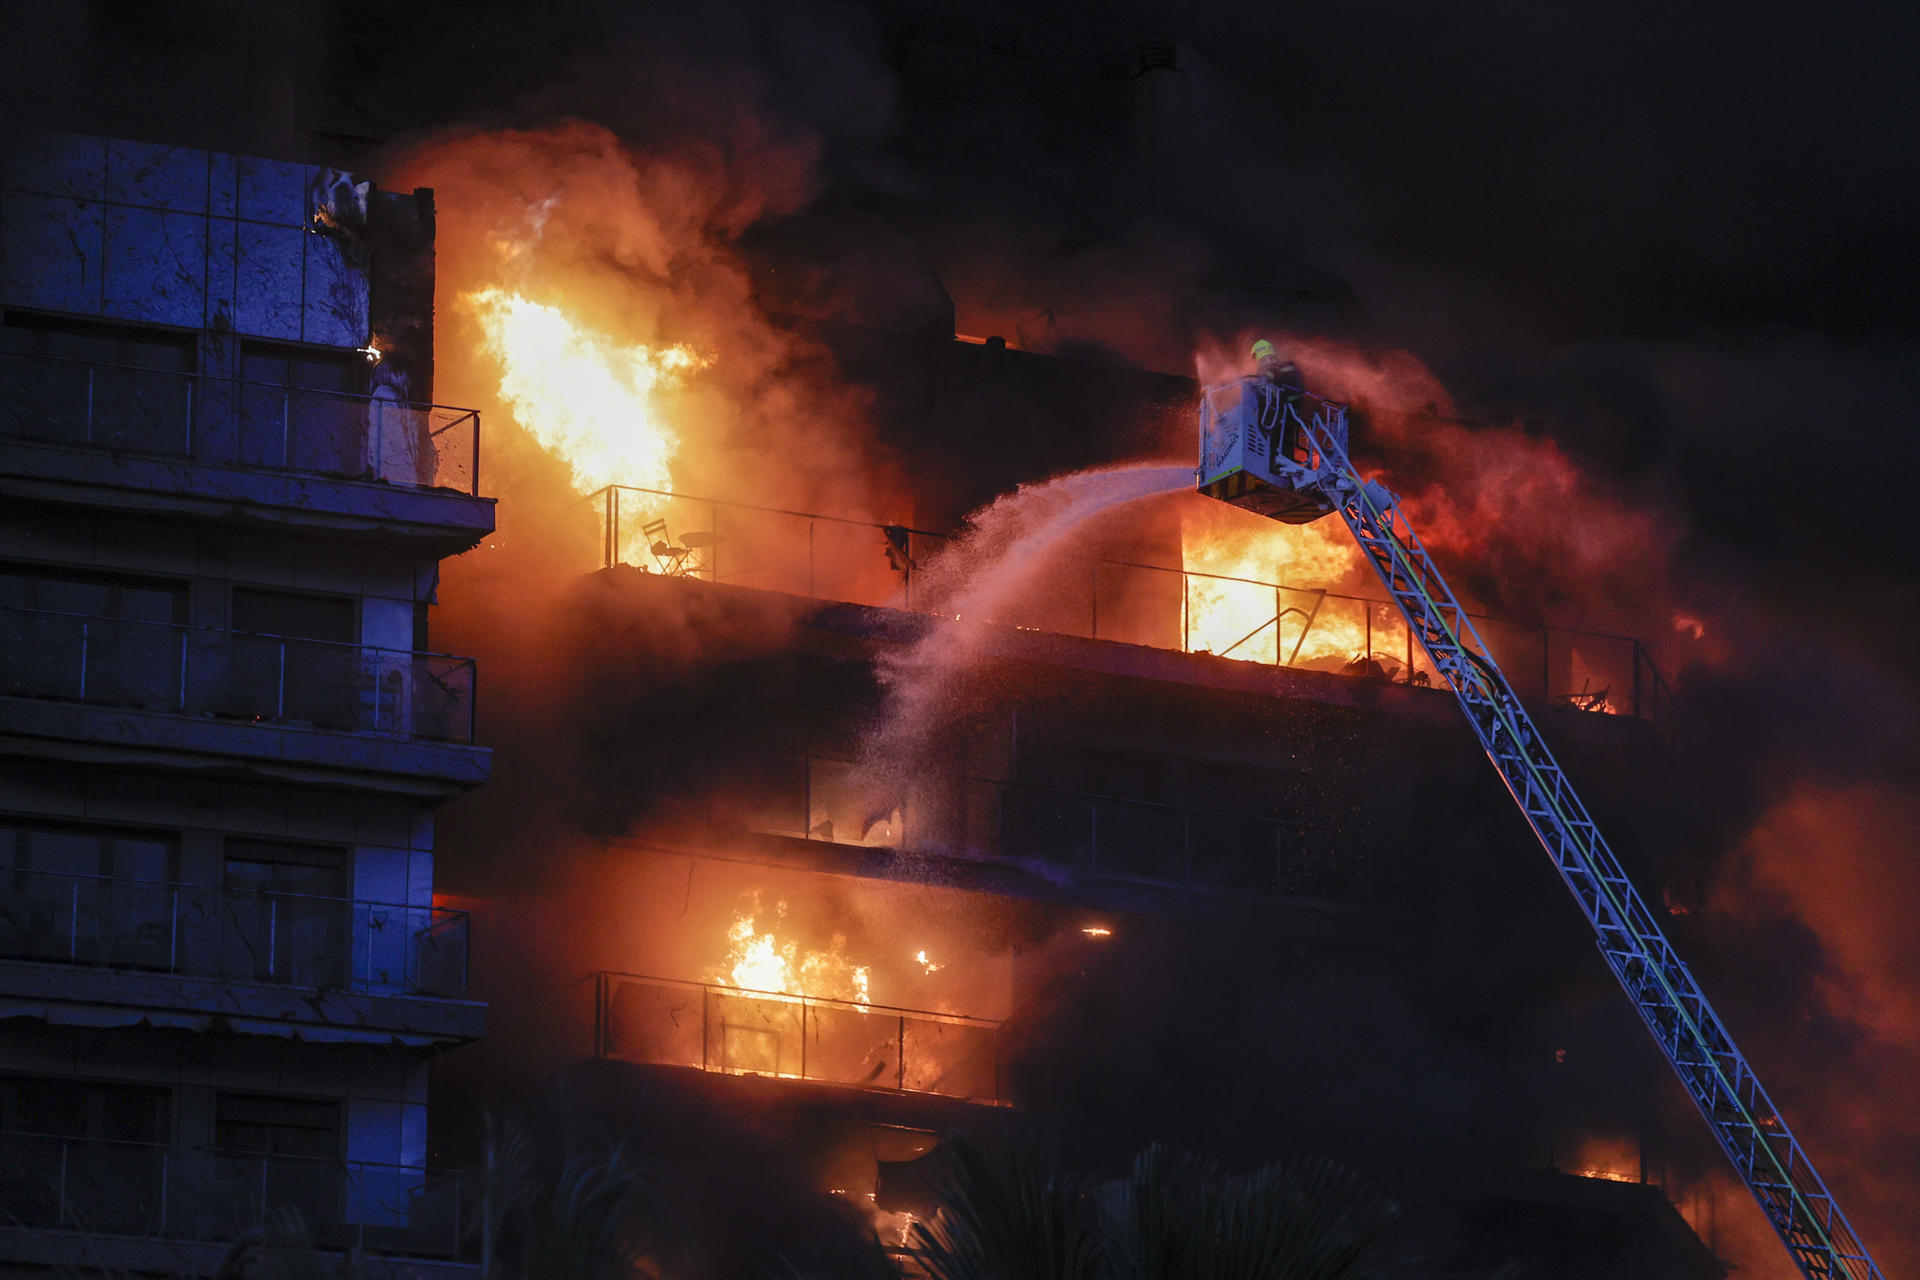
x=171 y=236
x=233 y=270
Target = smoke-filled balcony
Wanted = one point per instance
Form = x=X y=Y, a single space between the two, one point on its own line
x=112 y=1191
x=795 y=1037
x=1202 y=607
x=1105 y=837
x=234 y=675
x=206 y=931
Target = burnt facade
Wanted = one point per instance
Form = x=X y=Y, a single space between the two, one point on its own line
x=1132 y=893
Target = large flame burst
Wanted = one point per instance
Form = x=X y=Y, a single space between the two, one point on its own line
x=589 y=399
x=1239 y=618
x=758 y=961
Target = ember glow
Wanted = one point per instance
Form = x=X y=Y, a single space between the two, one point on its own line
x=1611 y=1159
x=591 y=400
x=757 y=960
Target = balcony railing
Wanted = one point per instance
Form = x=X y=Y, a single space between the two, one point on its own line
x=235 y=675
x=178 y=1193
x=1107 y=837
x=251 y=426
x=860 y=562
x=207 y=931
x=793 y=1037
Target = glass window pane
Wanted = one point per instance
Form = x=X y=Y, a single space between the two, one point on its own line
x=142 y=858
x=70 y=852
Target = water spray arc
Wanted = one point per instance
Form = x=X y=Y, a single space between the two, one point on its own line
x=1287 y=458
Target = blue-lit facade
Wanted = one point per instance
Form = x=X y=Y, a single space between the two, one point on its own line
x=224 y=731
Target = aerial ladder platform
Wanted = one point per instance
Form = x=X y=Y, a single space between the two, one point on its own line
x=1282 y=453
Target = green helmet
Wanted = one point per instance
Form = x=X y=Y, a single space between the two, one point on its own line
x=1262 y=349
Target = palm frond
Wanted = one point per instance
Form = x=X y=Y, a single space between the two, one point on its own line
x=1177 y=1217
x=601 y=1219
x=840 y=1255
x=1006 y=1213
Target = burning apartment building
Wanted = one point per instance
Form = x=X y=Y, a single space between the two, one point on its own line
x=226 y=497
x=884 y=754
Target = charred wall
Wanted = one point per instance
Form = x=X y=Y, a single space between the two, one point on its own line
x=1316 y=898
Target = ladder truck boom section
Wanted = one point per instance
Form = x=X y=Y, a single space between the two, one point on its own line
x=1284 y=455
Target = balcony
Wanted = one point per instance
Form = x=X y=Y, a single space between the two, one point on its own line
x=859 y=562
x=114 y=1193
x=207 y=439
x=260 y=961
x=1097 y=838
x=211 y=691
x=794 y=1037
x=205 y=931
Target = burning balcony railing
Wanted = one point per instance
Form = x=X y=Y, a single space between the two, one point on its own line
x=207 y=931
x=252 y=426
x=180 y=1193
x=833 y=558
x=794 y=1037
x=235 y=675
x=1107 y=837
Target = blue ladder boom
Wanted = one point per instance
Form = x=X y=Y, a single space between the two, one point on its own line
x=1715 y=1074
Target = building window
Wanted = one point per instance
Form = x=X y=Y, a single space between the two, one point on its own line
x=285 y=912
x=68 y=894
x=304 y=409
x=88 y=342
x=134 y=599
x=120 y=387
x=263 y=1125
x=297 y=614
x=98 y=1111
x=288 y=1147
x=295 y=653
x=93 y=637
x=299 y=368
x=82 y=1154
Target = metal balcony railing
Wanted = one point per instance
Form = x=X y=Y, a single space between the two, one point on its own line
x=235 y=675
x=182 y=1193
x=1107 y=837
x=861 y=562
x=793 y=1037
x=207 y=931
x=251 y=426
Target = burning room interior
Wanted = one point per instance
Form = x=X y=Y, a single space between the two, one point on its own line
x=627 y=596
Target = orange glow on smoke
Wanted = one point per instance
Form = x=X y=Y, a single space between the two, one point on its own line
x=590 y=400
x=758 y=961
x=1237 y=619
x=1612 y=1159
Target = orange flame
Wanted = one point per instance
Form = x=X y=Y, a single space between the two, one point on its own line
x=1613 y=1159
x=590 y=400
x=759 y=961
x=1250 y=619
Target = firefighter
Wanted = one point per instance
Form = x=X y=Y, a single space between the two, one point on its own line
x=1279 y=380
x=1278 y=371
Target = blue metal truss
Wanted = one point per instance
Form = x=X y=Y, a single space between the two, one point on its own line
x=1716 y=1075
